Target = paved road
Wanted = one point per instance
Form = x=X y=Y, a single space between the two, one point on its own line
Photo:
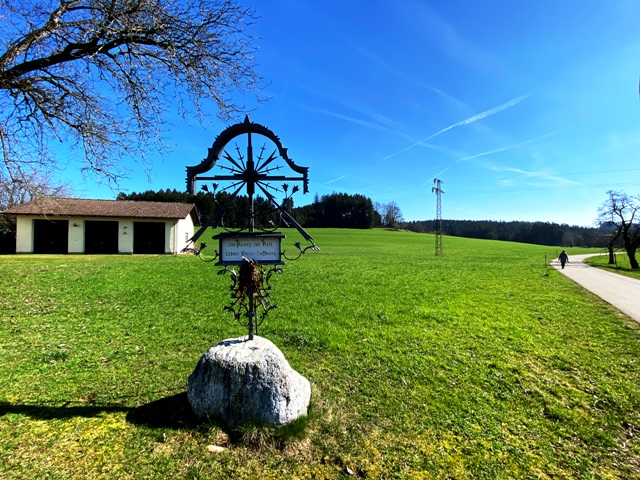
x=620 y=291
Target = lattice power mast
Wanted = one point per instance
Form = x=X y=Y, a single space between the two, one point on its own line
x=438 y=191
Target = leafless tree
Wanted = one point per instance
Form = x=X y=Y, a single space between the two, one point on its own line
x=98 y=76
x=622 y=211
x=24 y=189
x=27 y=189
x=390 y=214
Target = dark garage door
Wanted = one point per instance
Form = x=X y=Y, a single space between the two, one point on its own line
x=51 y=236
x=148 y=237
x=100 y=237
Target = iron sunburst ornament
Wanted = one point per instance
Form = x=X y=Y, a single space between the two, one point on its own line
x=250 y=240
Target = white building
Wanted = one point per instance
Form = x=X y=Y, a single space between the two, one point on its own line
x=70 y=225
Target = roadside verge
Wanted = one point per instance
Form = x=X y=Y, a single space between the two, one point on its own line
x=618 y=290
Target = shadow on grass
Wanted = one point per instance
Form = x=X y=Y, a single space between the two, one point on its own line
x=171 y=412
x=40 y=412
x=613 y=268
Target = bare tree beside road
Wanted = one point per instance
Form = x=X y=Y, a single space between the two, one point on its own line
x=622 y=211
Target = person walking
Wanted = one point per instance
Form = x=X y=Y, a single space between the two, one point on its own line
x=563 y=257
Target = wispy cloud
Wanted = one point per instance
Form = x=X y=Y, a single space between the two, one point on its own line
x=496 y=150
x=342 y=176
x=434 y=176
x=391 y=124
x=467 y=121
x=372 y=119
x=357 y=121
x=508 y=147
x=437 y=30
x=534 y=174
x=441 y=172
x=403 y=75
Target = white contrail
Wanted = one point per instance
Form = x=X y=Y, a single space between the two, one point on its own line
x=533 y=174
x=435 y=176
x=440 y=173
x=348 y=119
x=467 y=121
x=403 y=75
x=509 y=147
x=488 y=113
x=343 y=176
x=496 y=150
x=383 y=123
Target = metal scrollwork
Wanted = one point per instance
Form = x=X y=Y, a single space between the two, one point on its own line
x=198 y=252
x=250 y=294
x=301 y=251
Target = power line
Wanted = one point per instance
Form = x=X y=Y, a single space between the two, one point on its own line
x=526 y=176
x=507 y=190
x=612 y=184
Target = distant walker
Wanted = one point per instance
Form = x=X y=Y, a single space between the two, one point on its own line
x=563 y=257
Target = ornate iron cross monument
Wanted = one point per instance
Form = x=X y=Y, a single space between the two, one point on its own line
x=249 y=239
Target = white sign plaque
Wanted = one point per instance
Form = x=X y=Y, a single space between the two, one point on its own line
x=261 y=248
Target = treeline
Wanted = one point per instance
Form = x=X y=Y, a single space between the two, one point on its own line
x=539 y=233
x=341 y=210
x=236 y=210
x=337 y=210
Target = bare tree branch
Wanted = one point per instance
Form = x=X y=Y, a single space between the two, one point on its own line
x=98 y=75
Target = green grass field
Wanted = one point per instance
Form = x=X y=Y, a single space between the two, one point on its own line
x=483 y=363
x=621 y=265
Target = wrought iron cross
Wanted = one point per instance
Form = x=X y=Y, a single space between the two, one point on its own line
x=254 y=173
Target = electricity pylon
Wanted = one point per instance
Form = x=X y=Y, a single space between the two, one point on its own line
x=438 y=191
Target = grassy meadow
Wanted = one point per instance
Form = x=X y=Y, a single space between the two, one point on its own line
x=483 y=363
x=621 y=266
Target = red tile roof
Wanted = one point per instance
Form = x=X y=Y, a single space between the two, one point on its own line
x=76 y=207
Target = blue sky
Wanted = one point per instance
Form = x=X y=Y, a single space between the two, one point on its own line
x=526 y=110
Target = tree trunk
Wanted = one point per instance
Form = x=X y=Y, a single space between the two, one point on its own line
x=612 y=259
x=632 y=259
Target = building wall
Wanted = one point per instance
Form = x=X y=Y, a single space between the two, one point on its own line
x=177 y=232
x=183 y=231
x=169 y=236
x=76 y=235
x=25 y=238
x=24 y=234
x=125 y=236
